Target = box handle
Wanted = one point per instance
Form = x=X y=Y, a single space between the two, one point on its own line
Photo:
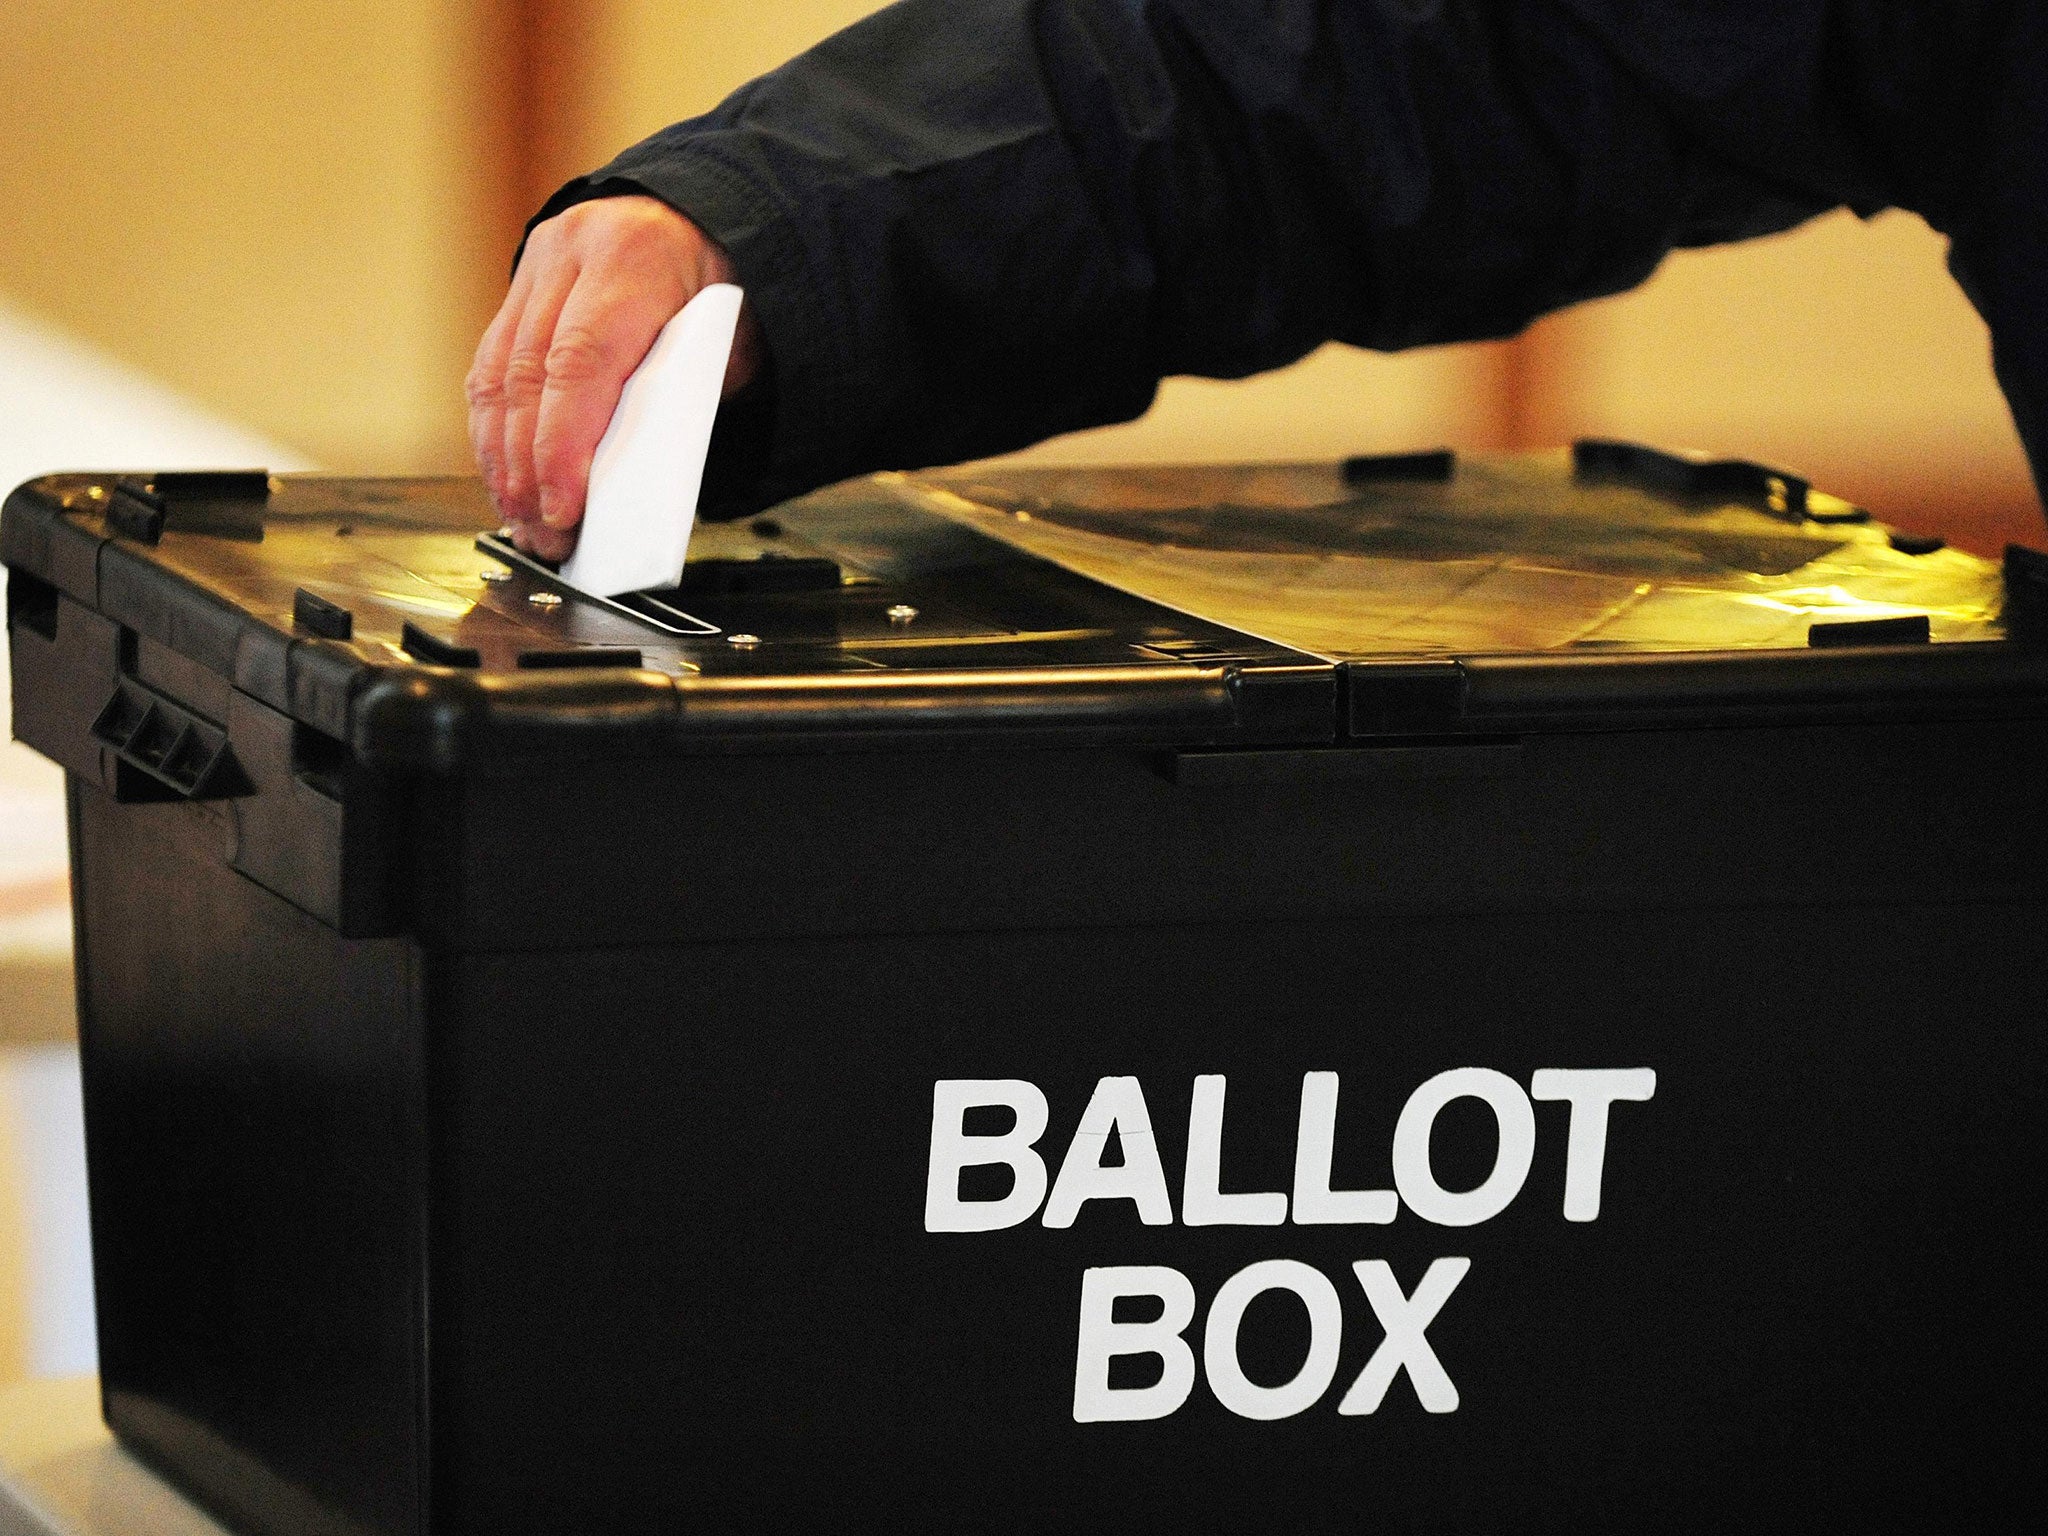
x=176 y=753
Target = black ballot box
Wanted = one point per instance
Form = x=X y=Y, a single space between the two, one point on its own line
x=1407 y=995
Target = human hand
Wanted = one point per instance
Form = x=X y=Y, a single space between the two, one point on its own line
x=595 y=285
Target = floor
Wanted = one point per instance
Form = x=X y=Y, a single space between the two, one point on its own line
x=61 y=1474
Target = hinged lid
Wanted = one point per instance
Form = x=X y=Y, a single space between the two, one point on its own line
x=1612 y=587
x=1404 y=596
x=373 y=612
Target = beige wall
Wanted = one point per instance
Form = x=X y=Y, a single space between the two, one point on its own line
x=14 y=1323
x=1843 y=349
x=272 y=206
x=655 y=62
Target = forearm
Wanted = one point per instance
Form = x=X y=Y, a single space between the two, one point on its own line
x=1998 y=218
x=971 y=224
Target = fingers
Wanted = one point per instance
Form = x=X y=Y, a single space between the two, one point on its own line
x=526 y=375
x=485 y=385
x=543 y=542
x=600 y=338
x=594 y=288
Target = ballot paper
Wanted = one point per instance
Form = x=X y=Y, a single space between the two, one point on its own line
x=649 y=467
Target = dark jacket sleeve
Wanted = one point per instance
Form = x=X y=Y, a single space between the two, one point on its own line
x=1999 y=218
x=967 y=225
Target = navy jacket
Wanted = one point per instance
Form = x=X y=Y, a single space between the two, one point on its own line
x=967 y=225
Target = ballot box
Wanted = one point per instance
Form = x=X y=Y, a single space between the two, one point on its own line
x=1409 y=994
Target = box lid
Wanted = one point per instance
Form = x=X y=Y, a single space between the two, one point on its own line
x=1610 y=586
x=1289 y=604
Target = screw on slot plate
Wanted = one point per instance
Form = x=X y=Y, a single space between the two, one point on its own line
x=499 y=574
x=743 y=640
x=901 y=613
x=545 y=599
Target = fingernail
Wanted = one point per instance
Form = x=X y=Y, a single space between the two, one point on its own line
x=554 y=510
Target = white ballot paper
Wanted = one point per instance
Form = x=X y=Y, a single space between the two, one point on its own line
x=649 y=467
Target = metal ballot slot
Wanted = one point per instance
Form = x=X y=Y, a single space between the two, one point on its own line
x=651 y=608
x=1474 y=994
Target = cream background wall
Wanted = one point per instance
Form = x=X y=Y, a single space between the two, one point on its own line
x=1843 y=349
x=274 y=207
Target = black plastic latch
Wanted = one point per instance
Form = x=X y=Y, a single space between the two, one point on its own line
x=139 y=507
x=212 y=484
x=1907 y=629
x=317 y=616
x=435 y=651
x=136 y=511
x=581 y=656
x=1916 y=543
x=172 y=748
x=1406 y=697
x=1371 y=468
x=2026 y=593
x=1777 y=491
x=767 y=572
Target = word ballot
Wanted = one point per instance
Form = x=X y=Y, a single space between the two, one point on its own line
x=1117 y=1111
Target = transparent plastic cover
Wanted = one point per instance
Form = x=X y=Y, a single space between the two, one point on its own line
x=1513 y=555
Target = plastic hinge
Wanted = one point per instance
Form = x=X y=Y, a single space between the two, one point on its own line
x=169 y=745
